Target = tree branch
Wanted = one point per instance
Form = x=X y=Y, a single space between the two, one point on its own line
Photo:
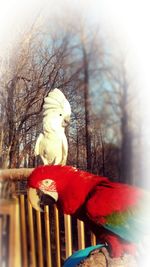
x=15 y=174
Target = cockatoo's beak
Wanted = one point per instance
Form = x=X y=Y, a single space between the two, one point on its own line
x=66 y=121
x=34 y=199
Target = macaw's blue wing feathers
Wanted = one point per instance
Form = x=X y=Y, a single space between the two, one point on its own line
x=79 y=255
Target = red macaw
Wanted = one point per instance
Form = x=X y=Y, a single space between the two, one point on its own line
x=119 y=212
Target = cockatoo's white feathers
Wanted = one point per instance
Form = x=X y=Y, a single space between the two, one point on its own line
x=56 y=100
x=52 y=145
x=37 y=145
x=53 y=149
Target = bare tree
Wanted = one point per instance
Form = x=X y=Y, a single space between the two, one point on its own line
x=121 y=98
x=77 y=61
x=36 y=68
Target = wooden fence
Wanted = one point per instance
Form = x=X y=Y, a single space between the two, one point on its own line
x=29 y=238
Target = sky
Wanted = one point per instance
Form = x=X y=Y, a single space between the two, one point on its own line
x=126 y=20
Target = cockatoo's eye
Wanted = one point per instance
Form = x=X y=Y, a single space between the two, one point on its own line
x=60 y=114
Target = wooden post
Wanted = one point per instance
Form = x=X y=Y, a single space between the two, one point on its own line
x=47 y=237
x=81 y=234
x=68 y=235
x=93 y=239
x=57 y=237
x=39 y=239
x=23 y=232
x=11 y=208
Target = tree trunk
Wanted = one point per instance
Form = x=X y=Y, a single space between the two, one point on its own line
x=87 y=110
x=126 y=146
x=103 y=153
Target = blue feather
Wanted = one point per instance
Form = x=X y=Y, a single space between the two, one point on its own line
x=79 y=255
x=134 y=229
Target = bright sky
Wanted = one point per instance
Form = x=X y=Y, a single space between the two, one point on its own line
x=127 y=20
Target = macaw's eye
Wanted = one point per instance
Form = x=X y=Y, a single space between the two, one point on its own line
x=47 y=182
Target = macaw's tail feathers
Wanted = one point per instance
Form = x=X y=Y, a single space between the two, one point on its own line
x=117 y=246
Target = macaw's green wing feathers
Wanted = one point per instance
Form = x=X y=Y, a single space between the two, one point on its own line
x=130 y=225
x=122 y=209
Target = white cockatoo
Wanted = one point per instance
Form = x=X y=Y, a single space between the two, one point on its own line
x=52 y=145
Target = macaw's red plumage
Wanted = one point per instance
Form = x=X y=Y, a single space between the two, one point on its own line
x=118 y=209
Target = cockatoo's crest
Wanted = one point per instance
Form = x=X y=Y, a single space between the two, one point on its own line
x=56 y=100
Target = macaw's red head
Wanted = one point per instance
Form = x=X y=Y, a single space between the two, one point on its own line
x=65 y=184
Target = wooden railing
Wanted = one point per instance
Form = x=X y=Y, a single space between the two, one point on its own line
x=29 y=238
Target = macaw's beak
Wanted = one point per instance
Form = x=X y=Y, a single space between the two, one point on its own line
x=34 y=199
x=38 y=198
